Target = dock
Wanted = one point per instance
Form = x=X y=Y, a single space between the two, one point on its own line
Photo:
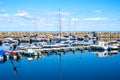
x=52 y=50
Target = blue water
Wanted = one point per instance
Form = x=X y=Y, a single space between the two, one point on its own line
x=69 y=66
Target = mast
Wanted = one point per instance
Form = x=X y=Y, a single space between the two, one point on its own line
x=69 y=27
x=35 y=24
x=60 y=22
x=75 y=21
x=75 y=15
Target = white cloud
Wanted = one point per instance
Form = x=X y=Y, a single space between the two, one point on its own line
x=43 y=18
x=98 y=11
x=74 y=19
x=57 y=13
x=25 y=20
x=49 y=24
x=63 y=19
x=62 y=13
x=22 y=13
x=4 y=18
x=4 y=15
x=95 y=19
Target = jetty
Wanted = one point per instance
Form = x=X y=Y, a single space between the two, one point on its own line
x=103 y=36
x=54 y=50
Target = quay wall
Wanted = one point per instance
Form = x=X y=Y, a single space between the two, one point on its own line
x=103 y=36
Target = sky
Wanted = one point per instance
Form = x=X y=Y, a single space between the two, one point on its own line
x=48 y=15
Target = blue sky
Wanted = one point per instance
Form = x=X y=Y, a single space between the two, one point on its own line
x=43 y=15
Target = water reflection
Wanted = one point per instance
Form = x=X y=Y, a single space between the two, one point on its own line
x=14 y=67
x=15 y=59
x=105 y=53
x=60 y=67
x=3 y=59
x=30 y=56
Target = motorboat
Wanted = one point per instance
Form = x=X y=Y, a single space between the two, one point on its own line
x=50 y=46
x=113 y=45
x=100 y=46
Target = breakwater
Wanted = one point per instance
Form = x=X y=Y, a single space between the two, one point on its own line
x=103 y=36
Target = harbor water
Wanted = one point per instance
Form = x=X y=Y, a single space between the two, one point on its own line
x=72 y=65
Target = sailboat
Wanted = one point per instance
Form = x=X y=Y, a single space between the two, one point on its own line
x=57 y=39
x=61 y=40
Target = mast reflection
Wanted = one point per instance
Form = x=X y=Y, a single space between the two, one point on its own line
x=60 y=66
x=15 y=58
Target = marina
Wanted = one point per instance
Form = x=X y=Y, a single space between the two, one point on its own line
x=59 y=40
x=56 y=44
x=64 y=56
